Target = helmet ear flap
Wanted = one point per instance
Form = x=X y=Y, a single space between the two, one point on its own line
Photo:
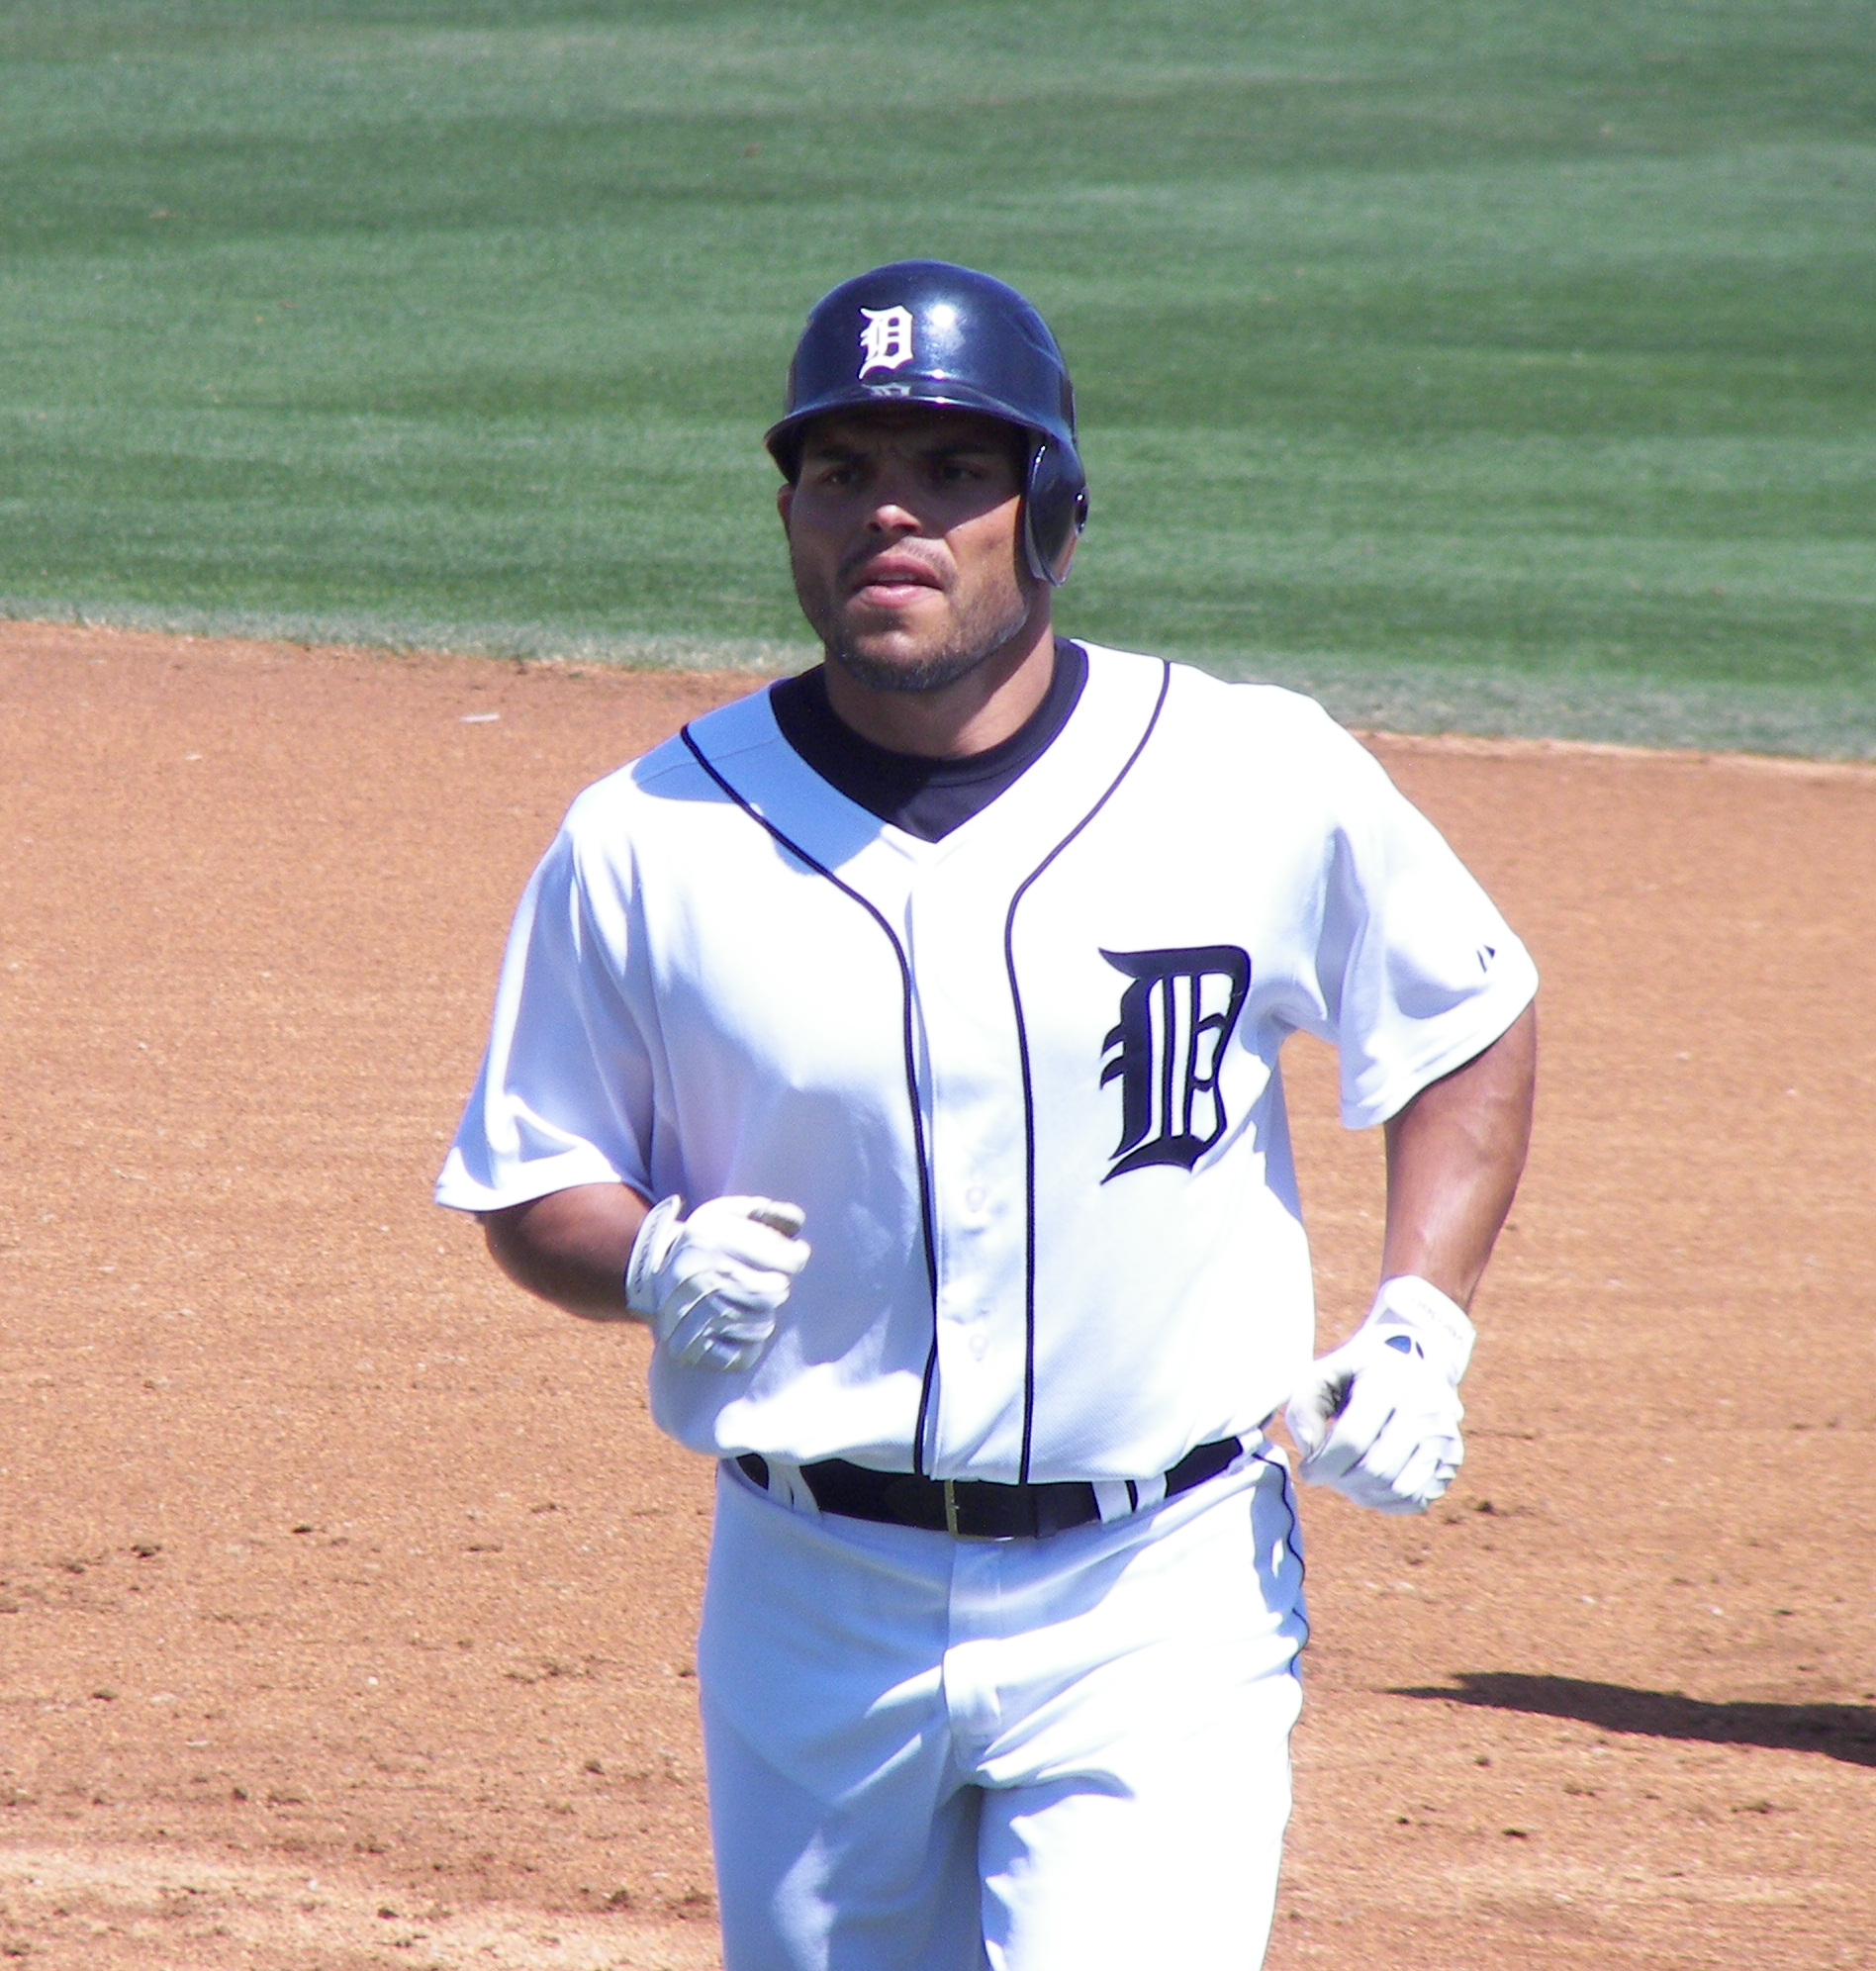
x=1055 y=509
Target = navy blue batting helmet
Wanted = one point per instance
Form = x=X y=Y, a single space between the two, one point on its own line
x=928 y=332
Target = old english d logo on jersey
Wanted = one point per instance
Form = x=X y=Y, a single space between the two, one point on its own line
x=885 y=339
x=1168 y=1048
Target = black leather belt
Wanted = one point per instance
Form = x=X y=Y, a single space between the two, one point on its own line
x=976 y=1508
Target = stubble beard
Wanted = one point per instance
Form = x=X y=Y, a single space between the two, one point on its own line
x=980 y=631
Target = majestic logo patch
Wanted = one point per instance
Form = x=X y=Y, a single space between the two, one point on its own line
x=885 y=341
x=1167 y=1051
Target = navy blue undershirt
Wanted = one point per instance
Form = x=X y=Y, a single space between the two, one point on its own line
x=925 y=798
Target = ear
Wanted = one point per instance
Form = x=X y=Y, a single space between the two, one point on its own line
x=783 y=500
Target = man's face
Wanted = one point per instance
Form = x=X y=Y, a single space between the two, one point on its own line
x=904 y=532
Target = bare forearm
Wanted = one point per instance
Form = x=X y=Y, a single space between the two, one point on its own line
x=1455 y=1155
x=571 y=1247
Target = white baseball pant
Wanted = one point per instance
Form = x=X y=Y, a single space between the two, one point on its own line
x=1060 y=1755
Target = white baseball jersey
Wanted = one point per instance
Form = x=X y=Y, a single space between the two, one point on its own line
x=1023 y=1080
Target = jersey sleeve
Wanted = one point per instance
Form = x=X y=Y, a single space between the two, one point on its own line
x=1417 y=969
x=565 y=1095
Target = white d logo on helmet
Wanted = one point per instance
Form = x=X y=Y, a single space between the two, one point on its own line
x=885 y=341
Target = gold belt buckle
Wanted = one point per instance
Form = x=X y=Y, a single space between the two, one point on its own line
x=951 y=1508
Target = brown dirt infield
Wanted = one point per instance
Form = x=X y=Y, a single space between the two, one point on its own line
x=346 y=1596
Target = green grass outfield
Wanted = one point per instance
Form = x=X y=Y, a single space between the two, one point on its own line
x=1503 y=366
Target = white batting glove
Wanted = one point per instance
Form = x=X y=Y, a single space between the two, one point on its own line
x=1378 y=1418
x=712 y=1284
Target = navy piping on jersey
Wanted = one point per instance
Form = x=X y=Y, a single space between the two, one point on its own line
x=1029 y=1092
x=911 y=1081
x=1280 y=1465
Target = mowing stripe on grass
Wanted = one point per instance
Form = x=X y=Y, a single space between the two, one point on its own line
x=1499 y=346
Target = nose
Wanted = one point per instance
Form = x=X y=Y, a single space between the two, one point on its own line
x=894 y=510
x=890 y=521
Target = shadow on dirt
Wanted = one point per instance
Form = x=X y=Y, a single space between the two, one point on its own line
x=1839 y=1730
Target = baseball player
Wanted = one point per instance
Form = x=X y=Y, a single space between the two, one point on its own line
x=901 y=1044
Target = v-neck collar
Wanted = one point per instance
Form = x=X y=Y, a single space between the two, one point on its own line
x=744 y=744
x=927 y=797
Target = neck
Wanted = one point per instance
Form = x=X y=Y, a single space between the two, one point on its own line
x=974 y=712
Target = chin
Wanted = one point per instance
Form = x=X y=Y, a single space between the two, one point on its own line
x=885 y=668
x=925 y=648
x=887 y=634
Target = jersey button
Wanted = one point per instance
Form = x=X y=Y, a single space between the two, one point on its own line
x=976 y=1197
x=979 y=1343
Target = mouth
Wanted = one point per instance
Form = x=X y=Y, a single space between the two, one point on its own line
x=891 y=582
